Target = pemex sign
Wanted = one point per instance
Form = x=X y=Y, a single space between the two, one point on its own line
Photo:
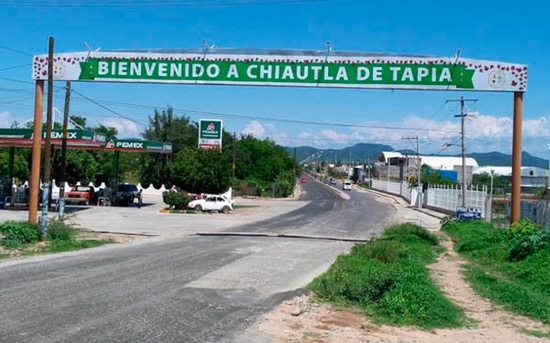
x=138 y=145
x=210 y=133
x=287 y=68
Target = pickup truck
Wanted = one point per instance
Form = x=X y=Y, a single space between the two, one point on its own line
x=80 y=195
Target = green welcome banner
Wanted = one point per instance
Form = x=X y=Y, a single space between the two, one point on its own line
x=286 y=68
x=276 y=72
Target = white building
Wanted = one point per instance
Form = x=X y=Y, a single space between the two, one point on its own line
x=395 y=164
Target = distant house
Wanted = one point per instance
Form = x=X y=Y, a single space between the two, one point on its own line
x=396 y=165
x=532 y=178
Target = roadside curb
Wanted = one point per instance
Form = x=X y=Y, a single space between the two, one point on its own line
x=400 y=201
x=282 y=235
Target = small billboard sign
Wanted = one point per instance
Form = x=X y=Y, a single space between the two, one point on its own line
x=210 y=133
x=468 y=213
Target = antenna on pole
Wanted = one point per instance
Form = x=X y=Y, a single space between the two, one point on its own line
x=329 y=50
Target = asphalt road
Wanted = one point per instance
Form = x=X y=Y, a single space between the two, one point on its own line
x=188 y=289
x=328 y=214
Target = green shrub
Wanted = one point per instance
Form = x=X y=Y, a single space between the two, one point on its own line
x=383 y=251
x=19 y=232
x=284 y=184
x=527 y=245
x=176 y=199
x=447 y=220
x=60 y=231
x=402 y=232
x=522 y=228
x=355 y=280
x=475 y=236
x=516 y=296
x=388 y=279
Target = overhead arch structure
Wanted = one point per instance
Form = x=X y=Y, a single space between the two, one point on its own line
x=288 y=68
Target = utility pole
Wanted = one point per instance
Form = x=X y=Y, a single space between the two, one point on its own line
x=64 y=150
x=418 y=167
x=235 y=156
x=48 y=145
x=463 y=115
x=295 y=163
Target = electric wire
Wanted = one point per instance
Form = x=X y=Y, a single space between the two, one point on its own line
x=15 y=67
x=12 y=49
x=153 y=3
x=293 y=121
x=109 y=109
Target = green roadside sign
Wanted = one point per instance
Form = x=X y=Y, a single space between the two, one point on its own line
x=25 y=134
x=210 y=133
x=138 y=145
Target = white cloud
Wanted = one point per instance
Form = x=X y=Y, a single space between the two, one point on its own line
x=125 y=127
x=483 y=133
x=254 y=128
x=5 y=119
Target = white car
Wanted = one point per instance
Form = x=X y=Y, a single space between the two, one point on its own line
x=212 y=203
x=346 y=185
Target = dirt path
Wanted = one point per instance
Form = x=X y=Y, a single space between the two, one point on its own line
x=301 y=320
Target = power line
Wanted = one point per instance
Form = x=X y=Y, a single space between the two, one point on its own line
x=12 y=49
x=293 y=121
x=15 y=67
x=17 y=100
x=15 y=80
x=108 y=109
x=156 y=3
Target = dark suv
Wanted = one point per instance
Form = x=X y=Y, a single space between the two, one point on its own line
x=126 y=193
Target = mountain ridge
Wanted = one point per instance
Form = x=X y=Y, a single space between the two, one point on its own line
x=368 y=152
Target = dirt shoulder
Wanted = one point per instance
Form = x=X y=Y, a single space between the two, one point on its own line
x=303 y=320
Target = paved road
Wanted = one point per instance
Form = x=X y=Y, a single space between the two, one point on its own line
x=331 y=212
x=186 y=289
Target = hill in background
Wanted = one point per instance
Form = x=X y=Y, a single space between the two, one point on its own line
x=367 y=152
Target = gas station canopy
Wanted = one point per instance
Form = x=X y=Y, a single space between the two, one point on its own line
x=83 y=140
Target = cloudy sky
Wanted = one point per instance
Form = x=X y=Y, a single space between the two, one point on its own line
x=324 y=118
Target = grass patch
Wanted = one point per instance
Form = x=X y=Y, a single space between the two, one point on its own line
x=21 y=238
x=535 y=333
x=71 y=245
x=244 y=206
x=522 y=286
x=513 y=295
x=388 y=279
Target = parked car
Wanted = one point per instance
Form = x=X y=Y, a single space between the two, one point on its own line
x=346 y=185
x=81 y=195
x=332 y=182
x=303 y=180
x=212 y=202
x=127 y=193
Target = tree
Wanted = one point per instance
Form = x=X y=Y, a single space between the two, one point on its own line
x=484 y=179
x=165 y=127
x=78 y=120
x=202 y=171
x=109 y=132
x=261 y=160
x=82 y=166
x=20 y=165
